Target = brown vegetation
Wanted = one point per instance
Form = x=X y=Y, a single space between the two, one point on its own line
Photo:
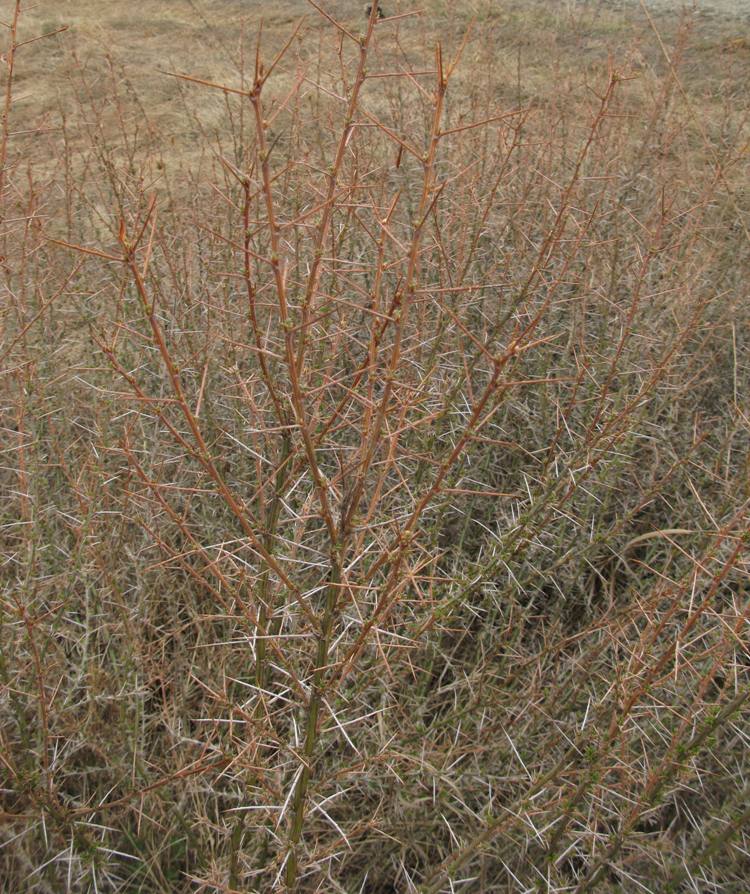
x=376 y=453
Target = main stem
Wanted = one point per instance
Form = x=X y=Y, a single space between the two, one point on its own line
x=311 y=730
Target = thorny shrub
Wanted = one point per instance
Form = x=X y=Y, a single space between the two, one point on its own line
x=377 y=483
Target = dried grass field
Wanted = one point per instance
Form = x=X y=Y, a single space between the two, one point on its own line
x=375 y=448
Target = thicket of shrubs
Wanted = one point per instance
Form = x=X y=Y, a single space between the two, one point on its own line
x=376 y=485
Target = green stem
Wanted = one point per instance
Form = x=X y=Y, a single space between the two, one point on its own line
x=269 y=538
x=311 y=728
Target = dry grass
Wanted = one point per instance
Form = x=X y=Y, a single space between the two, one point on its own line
x=377 y=451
